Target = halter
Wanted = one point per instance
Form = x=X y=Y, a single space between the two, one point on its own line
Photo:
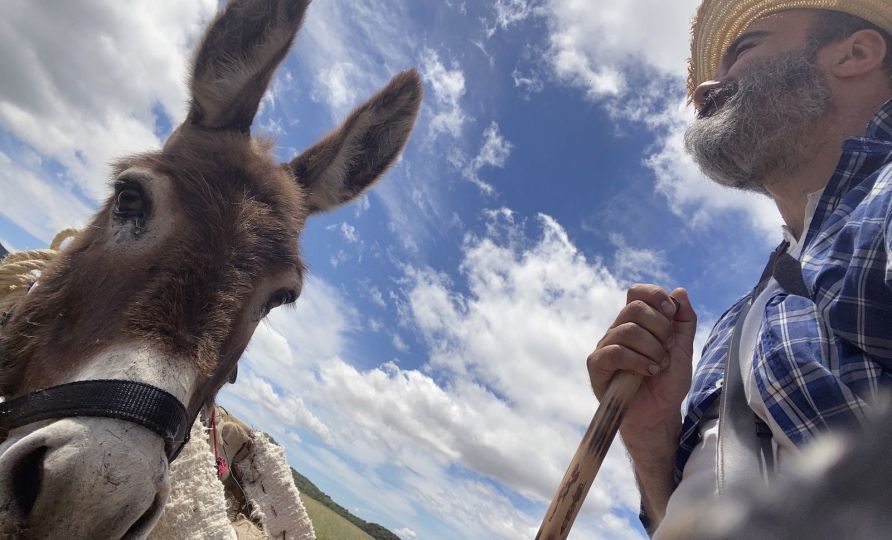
x=135 y=402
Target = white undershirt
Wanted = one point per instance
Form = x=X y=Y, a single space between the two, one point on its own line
x=699 y=477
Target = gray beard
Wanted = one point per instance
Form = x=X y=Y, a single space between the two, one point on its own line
x=767 y=128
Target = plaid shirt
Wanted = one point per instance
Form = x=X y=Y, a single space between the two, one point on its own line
x=820 y=360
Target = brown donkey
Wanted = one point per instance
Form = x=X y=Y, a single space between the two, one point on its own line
x=167 y=283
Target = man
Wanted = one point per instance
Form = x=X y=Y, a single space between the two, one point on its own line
x=784 y=114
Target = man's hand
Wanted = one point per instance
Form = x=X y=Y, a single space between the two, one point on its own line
x=654 y=336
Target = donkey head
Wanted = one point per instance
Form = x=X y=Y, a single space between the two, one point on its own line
x=166 y=285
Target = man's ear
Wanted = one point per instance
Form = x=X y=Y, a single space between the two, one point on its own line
x=348 y=160
x=861 y=53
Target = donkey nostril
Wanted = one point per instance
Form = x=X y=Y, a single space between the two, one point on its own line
x=26 y=479
x=143 y=524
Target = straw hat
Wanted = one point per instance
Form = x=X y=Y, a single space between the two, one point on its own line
x=719 y=22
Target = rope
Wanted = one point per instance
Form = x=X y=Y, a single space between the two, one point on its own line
x=19 y=271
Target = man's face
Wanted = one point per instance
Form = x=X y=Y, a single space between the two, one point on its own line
x=759 y=119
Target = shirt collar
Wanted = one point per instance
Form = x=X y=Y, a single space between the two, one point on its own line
x=877 y=139
x=811 y=207
x=880 y=127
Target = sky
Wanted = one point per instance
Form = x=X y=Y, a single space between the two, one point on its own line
x=432 y=375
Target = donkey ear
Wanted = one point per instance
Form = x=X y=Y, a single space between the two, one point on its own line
x=349 y=159
x=237 y=58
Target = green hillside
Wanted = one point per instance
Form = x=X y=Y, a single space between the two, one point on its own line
x=328 y=525
x=309 y=489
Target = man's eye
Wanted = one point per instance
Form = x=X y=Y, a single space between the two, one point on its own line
x=743 y=48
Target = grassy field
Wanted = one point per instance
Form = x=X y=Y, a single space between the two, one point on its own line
x=330 y=526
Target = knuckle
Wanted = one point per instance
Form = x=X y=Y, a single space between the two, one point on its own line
x=636 y=290
x=592 y=359
x=637 y=308
x=611 y=352
x=627 y=331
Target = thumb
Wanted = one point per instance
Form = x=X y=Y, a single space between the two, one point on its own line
x=685 y=311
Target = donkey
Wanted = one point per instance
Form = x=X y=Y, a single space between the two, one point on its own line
x=165 y=286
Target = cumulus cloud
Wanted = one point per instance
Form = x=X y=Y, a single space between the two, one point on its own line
x=37 y=206
x=87 y=81
x=593 y=46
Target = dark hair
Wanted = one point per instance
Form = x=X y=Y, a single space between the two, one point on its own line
x=831 y=26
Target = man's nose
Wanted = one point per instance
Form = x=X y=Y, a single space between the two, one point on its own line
x=703 y=90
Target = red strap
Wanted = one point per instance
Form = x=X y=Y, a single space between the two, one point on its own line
x=219 y=461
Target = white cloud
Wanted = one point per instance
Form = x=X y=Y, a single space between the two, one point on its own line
x=39 y=207
x=406 y=533
x=593 y=45
x=638 y=265
x=399 y=344
x=337 y=85
x=351 y=48
x=374 y=294
x=375 y=325
x=510 y=12
x=286 y=409
x=532 y=314
x=349 y=232
x=85 y=81
x=448 y=87
x=493 y=153
x=528 y=83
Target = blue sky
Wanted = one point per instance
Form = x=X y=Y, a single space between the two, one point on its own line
x=432 y=377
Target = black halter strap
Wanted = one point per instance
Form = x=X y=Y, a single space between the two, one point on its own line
x=135 y=402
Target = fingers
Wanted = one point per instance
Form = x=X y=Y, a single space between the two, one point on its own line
x=641 y=336
x=639 y=313
x=606 y=361
x=634 y=336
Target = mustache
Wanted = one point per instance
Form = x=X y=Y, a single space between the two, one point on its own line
x=715 y=98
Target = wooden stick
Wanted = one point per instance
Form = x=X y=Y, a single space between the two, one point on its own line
x=588 y=458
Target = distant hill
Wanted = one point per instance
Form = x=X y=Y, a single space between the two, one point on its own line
x=328 y=525
x=308 y=488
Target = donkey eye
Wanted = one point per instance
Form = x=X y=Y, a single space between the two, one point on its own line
x=280 y=298
x=129 y=203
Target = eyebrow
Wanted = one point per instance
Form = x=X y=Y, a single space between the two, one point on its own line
x=739 y=41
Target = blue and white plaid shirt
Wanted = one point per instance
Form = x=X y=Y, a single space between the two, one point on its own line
x=820 y=360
